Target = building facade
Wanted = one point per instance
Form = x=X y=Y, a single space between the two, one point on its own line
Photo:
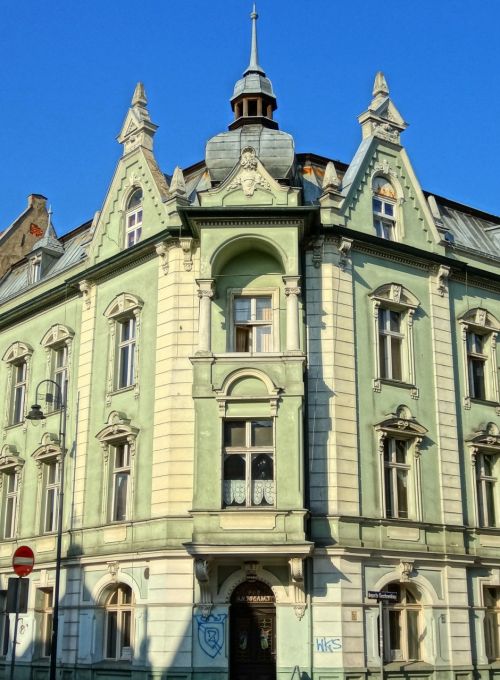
x=282 y=392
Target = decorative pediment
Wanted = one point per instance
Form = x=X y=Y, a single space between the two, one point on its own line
x=248 y=385
x=123 y=304
x=249 y=184
x=396 y=295
x=10 y=459
x=487 y=438
x=117 y=429
x=17 y=351
x=401 y=425
x=58 y=333
x=481 y=318
x=49 y=448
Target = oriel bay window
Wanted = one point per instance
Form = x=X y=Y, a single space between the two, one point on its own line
x=480 y=365
x=403 y=625
x=394 y=357
x=400 y=437
x=253 y=323
x=248 y=463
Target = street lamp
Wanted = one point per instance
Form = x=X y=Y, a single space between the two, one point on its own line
x=35 y=414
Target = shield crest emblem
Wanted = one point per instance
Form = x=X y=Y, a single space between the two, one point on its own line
x=211 y=633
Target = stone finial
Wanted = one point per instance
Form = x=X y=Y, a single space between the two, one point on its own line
x=380 y=86
x=331 y=180
x=178 y=184
x=139 y=97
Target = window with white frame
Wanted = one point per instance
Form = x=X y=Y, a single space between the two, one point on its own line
x=44 y=614
x=10 y=503
x=119 y=617
x=17 y=357
x=133 y=219
x=485 y=458
x=51 y=478
x=253 y=327
x=35 y=272
x=384 y=208
x=400 y=437
x=479 y=339
x=120 y=481
x=58 y=344
x=394 y=357
x=248 y=463
x=123 y=315
x=404 y=627
x=491 y=598
x=118 y=442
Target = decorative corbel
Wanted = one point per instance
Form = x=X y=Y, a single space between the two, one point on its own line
x=85 y=288
x=113 y=568
x=317 y=256
x=344 y=246
x=442 y=276
x=162 y=252
x=297 y=579
x=186 y=244
x=406 y=570
x=202 y=573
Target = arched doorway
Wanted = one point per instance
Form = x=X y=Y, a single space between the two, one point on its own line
x=253 y=632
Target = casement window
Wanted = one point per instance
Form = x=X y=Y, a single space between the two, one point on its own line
x=126 y=352
x=118 y=442
x=17 y=358
x=51 y=480
x=404 y=627
x=399 y=440
x=491 y=598
x=119 y=617
x=44 y=612
x=4 y=625
x=35 y=269
x=485 y=458
x=384 y=208
x=397 y=473
x=120 y=481
x=480 y=364
x=133 y=219
x=253 y=327
x=248 y=463
x=124 y=315
x=394 y=357
x=11 y=466
x=58 y=343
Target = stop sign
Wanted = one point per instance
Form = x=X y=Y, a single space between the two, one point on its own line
x=23 y=560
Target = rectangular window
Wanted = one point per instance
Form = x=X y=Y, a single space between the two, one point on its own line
x=390 y=344
x=10 y=504
x=248 y=463
x=59 y=374
x=134 y=227
x=120 y=482
x=492 y=623
x=487 y=489
x=383 y=219
x=51 y=494
x=44 y=608
x=18 y=396
x=396 y=476
x=126 y=352
x=253 y=324
x=36 y=271
x=476 y=365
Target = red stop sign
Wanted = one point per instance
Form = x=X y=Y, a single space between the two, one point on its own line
x=23 y=560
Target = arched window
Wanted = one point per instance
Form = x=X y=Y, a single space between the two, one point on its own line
x=57 y=342
x=403 y=624
x=133 y=219
x=384 y=208
x=119 y=614
x=18 y=358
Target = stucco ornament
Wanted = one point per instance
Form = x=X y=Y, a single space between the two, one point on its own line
x=249 y=178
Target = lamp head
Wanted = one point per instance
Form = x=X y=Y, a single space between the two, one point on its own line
x=36 y=413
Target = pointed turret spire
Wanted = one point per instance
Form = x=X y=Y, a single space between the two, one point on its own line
x=138 y=128
x=254 y=66
x=382 y=119
x=380 y=85
x=331 y=180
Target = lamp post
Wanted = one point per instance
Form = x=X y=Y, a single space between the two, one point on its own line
x=35 y=414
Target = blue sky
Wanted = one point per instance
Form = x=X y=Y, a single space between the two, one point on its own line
x=69 y=69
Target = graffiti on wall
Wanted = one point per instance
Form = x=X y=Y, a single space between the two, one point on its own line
x=328 y=645
x=211 y=633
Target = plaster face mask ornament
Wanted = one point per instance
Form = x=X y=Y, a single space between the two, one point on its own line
x=249 y=178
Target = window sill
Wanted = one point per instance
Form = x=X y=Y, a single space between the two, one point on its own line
x=249 y=508
x=397 y=383
x=395 y=666
x=11 y=426
x=485 y=402
x=121 y=390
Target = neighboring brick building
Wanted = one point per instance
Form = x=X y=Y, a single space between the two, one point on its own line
x=19 y=238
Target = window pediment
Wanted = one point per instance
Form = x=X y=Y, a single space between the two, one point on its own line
x=480 y=318
x=18 y=350
x=49 y=448
x=487 y=438
x=123 y=304
x=58 y=333
x=234 y=389
x=395 y=295
x=10 y=459
x=117 y=429
x=401 y=425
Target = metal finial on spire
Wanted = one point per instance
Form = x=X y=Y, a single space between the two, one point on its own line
x=253 y=66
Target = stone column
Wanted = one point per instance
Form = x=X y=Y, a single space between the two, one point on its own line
x=205 y=293
x=292 y=292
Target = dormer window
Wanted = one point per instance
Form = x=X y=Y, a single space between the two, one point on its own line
x=133 y=219
x=35 y=272
x=384 y=208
